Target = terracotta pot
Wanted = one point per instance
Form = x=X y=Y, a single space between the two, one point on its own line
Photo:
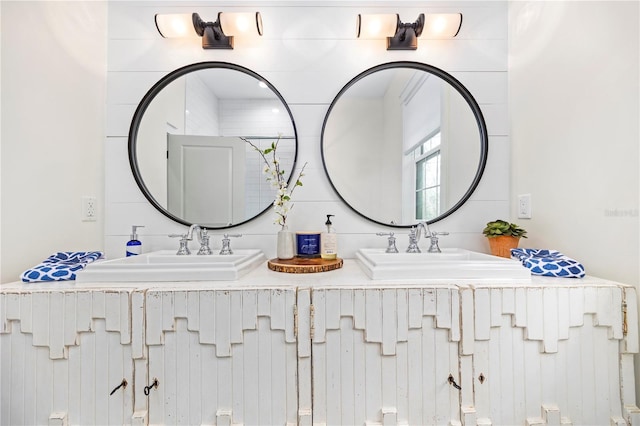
x=501 y=246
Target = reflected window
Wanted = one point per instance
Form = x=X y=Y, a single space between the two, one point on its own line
x=427 y=162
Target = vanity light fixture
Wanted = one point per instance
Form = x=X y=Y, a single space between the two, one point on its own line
x=404 y=36
x=215 y=35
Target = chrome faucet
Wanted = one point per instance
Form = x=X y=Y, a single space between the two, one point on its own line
x=203 y=239
x=414 y=236
x=194 y=227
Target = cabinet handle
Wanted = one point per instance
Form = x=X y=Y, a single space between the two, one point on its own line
x=625 y=326
x=453 y=382
x=151 y=386
x=123 y=385
x=312 y=320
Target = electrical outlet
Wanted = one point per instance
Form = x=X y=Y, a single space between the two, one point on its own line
x=89 y=209
x=524 y=206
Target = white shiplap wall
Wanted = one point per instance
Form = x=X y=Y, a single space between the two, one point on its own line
x=308 y=52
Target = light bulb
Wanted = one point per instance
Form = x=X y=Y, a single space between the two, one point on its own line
x=439 y=25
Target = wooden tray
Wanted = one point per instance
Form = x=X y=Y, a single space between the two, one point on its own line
x=301 y=265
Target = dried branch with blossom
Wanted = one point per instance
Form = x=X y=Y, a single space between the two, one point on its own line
x=282 y=205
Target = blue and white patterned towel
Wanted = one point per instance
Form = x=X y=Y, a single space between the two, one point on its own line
x=61 y=266
x=549 y=263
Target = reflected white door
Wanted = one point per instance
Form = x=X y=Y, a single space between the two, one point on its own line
x=206 y=179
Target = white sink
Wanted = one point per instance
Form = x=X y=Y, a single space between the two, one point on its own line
x=451 y=264
x=165 y=265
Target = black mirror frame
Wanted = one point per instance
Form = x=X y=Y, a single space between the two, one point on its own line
x=153 y=92
x=482 y=127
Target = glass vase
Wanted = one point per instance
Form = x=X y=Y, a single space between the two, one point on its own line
x=285 y=248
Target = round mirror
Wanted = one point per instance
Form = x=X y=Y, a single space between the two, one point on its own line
x=404 y=142
x=193 y=140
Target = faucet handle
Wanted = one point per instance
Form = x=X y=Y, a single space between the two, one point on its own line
x=391 y=248
x=226 y=243
x=433 y=247
x=184 y=241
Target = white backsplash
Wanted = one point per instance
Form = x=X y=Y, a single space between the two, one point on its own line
x=308 y=53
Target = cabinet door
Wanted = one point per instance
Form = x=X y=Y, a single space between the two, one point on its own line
x=385 y=356
x=544 y=355
x=221 y=356
x=62 y=354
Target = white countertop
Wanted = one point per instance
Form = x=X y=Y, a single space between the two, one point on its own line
x=349 y=276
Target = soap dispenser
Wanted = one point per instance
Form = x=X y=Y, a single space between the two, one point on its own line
x=134 y=246
x=329 y=241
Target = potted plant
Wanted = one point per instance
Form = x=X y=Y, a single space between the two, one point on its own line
x=503 y=236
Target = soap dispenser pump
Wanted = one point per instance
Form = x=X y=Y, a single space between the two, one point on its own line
x=134 y=246
x=329 y=241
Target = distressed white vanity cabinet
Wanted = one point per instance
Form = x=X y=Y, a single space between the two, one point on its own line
x=221 y=356
x=384 y=355
x=329 y=348
x=551 y=352
x=554 y=352
x=63 y=352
